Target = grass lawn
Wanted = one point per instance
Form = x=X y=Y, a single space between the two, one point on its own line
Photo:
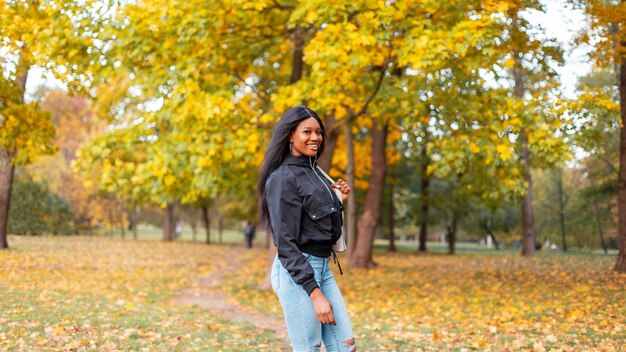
x=108 y=294
x=147 y=232
x=104 y=294
x=479 y=299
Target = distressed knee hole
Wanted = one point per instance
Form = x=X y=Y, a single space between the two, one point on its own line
x=350 y=342
x=319 y=345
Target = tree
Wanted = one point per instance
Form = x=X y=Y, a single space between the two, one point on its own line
x=598 y=112
x=191 y=101
x=196 y=122
x=530 y=62
x=57 y=36
x=415 y=48
x=607 y=20
x=25 y=132
x=75 y=124
x=554 y=204
x=501 y=223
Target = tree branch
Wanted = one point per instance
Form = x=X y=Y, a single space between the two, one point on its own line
x=608 y=162
x=283 y=7
x=254 y=89
x=353 y=115
x=379 y=83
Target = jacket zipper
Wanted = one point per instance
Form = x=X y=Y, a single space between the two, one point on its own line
x=325 y=185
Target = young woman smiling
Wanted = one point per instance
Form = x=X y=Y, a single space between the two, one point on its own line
x=304 y=215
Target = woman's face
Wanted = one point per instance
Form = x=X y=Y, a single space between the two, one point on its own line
x=307 y=138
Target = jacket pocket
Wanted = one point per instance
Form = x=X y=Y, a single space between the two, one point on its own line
x=321 y=216
x=318 y=212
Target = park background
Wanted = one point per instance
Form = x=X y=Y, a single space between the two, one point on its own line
x=486 y=212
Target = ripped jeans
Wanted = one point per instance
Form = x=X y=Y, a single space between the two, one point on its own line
x=305 y=331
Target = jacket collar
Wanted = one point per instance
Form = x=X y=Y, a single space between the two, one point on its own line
x=302 y=160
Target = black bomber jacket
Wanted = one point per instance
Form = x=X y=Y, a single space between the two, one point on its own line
x=305 y=215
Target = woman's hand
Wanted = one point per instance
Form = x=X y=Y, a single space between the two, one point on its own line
x=323 y=309
x=343 y=187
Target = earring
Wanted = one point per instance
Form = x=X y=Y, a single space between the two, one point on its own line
x=290 y=144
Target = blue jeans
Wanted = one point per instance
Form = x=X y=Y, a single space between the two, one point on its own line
x=305 y=331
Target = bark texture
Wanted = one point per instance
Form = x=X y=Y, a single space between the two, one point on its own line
x=171 y=215
x=391 y=224
x=528 y=235
x=207 y=222
x=452 y=228
x=620 y=263
x=425 y=187
x=561 y=196
x=7 y=170
x=351 y=210
x=362 y=255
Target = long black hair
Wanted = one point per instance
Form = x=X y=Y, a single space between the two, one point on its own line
x=278 y=149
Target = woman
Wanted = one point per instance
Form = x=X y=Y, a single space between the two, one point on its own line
x=304 y=215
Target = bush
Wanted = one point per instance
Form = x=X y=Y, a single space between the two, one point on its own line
x=36 y=210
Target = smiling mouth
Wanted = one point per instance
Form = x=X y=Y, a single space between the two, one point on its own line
x=313 y=146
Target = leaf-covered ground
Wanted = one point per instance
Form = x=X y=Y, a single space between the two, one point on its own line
x=486 y=302
x=99 y=294
x=93 y=293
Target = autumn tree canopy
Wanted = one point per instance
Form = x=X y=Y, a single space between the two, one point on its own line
x=189 y=92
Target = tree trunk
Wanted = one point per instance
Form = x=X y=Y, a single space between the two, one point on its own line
x=559 y=183
x=351 y=232
x=207 y=222
x=136 y=226
x=578 y=241
x=528 y=235
x=495 y=241
x=220 y=219
x=423 y=237
x=390 y=222
x=596 y=209
x=7 y=170
x=194 y=224
x=132 y=220
x=170 y=219
x=491 y=234
x=111 y=217
x=620 y=263
x=220 y=227
x=452 y=235
x=362 y=256
x=122 y=226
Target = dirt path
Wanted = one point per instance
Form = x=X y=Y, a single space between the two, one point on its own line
x=208 y=296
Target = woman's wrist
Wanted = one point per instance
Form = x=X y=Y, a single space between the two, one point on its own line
x=316 y=293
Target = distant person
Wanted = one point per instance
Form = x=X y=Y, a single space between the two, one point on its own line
x=178 y=230
x=297 y=204
x=249 y=233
